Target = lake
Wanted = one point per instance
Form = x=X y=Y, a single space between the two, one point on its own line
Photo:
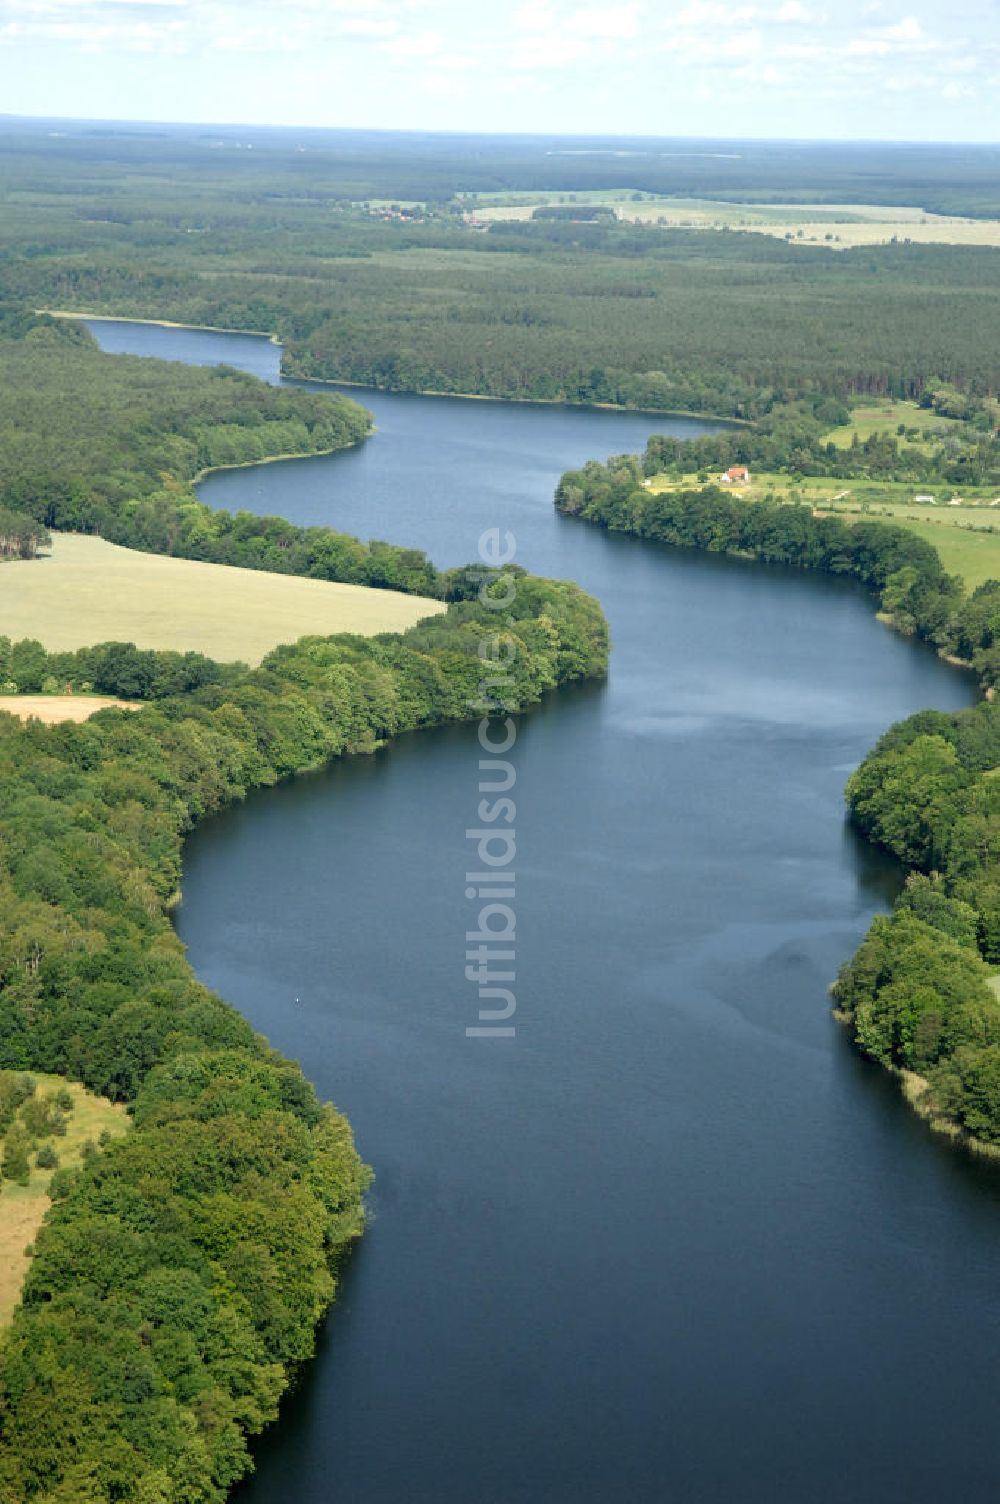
x=674 y=1241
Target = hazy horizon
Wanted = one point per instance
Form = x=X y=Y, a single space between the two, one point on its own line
x=353 y=128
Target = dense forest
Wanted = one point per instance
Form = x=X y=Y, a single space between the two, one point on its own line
x=918 y=996
x=636 y=315
x=336 y=166
x=181 y=1274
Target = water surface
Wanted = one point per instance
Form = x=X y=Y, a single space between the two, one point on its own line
x=675 y=1241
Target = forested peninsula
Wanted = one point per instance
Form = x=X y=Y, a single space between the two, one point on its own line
x=920 y=996
x=180 y=1276
x=120 y=454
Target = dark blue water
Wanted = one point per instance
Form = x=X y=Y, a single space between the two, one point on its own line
x=675 y=1241
x=195 y=347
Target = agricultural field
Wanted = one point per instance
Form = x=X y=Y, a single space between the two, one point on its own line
x=87 y=591
x=966 y=536
x=23 y=1207
x=836 y=226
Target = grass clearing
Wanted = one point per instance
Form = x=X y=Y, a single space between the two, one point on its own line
x=23 y=1207
x=964 y=549
x=885 y=418
x=87 y=591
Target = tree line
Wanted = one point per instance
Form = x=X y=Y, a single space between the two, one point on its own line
x=109 y=668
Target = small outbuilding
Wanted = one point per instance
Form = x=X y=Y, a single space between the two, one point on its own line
x=736 y=475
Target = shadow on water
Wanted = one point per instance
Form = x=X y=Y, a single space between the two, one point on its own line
x=880 y=876
x=301 y=1414
x=953 y=1167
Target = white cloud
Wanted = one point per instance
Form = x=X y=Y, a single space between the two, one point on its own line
x=793 y=12
x=533 y=18
x=422 y=44
x=905 y=36
x=220 y=25
x=551 y=51
x=711 y=13
x=907 y=30
x=700 y=48
x=605 y=21
x=368 y=26
x=868 y=47
x=742 y=44
x=547 y=38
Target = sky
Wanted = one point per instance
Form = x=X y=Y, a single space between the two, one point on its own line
x=917 y=70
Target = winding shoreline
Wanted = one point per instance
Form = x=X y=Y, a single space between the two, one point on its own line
x=123 y=318
x=274 y=459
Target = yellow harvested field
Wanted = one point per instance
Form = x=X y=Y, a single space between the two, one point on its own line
x=87 y=591
x=51 y=709
x=23 y=1207
x=936 y=229
x=836 y=226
